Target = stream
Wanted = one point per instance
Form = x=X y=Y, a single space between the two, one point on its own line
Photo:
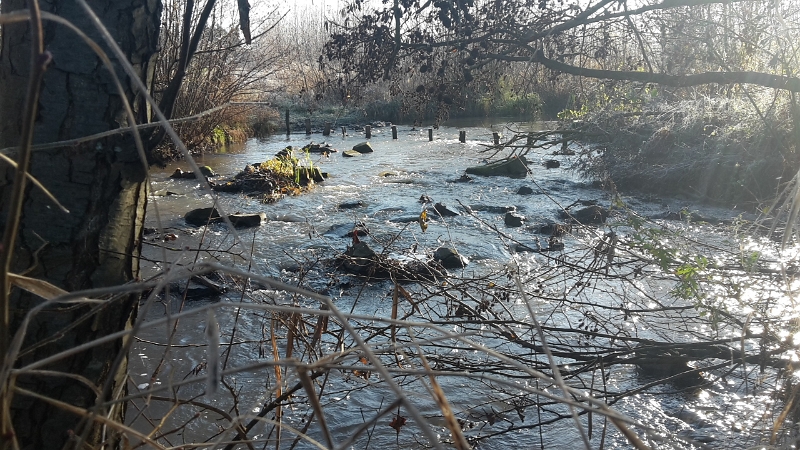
x=304 y=231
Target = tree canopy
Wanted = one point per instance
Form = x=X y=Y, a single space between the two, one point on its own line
x=443 y=44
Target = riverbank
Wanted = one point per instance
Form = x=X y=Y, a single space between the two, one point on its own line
x=716 y=151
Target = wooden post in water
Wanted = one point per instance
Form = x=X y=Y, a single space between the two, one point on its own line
x=496 y=138
x=462 y=137
x=308 y=126
x=368 y=130
x=344 y=131
x=394 y=131
x=327 y=131
x=430 y=134
x=288 y=124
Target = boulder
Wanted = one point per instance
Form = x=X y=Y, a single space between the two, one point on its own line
x=206 y=171
x=513 y=219
x=247 y=220
x=450 y=258
x=525 y=190
x=444 y=211
x=515 y=167
x=363 y=147
x=552 y=164
x=590 y=215
x=462 y=179
x=350 y=153
x=201 y=216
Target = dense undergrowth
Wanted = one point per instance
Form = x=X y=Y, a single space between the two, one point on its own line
x=715 y=149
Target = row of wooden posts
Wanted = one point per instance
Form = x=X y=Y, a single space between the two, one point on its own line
x=462 y=135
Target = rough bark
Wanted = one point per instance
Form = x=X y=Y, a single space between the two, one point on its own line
x=101 y=183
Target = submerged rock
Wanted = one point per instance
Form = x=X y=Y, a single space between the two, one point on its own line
x=525 y=190
x=552 y=164
x=515 y=167
x=350 y=153
x=444 y=211
x=493 y=209
x=450 y=258
x=351 y=205
x=662 y=363
x=513 y=219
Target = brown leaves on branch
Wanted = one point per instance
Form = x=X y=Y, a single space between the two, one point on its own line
x=397 y=423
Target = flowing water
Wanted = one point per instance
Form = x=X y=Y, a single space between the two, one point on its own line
x=305 y=229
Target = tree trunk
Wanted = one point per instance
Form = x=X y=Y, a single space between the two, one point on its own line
x=102 y=184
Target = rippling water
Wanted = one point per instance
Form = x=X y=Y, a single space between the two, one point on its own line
x=390 y=182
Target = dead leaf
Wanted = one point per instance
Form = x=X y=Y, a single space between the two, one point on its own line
x=397 y=423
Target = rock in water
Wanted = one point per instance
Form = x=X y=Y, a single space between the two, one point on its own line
x=351 y=205
x=552 y=164
x=201 y=216
x=515 y=167
x=513 y=219
x=592 y=214
x=350 y=153
x=363 y=147
x=493 y=209
x=360 y=259
x=450 y=258
x=525 y=190
x=444 y=211
x=247 y=220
